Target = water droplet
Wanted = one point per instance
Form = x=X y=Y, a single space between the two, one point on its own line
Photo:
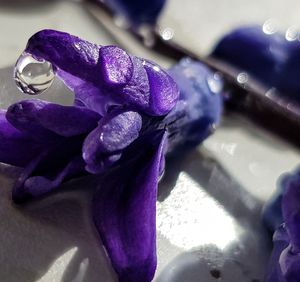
x=167 y=33
x=270 y=26
x=215 y=83
x=32 y=76
x=292 y=33
x=242 y=77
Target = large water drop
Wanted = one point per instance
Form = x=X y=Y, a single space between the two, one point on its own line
x=33 y=76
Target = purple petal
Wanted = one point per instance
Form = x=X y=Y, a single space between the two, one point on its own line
x=66 y=52
x=44 y=120
x=116 y=66
x=16 y=148
x=124 y=212
x=281 y=242
x=48 y=170
x=137 y=91
x=114 y=133
x=164 y=92
x=291 y=212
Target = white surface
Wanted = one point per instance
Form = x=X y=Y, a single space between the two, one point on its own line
x=201 y=23
x=209 y=202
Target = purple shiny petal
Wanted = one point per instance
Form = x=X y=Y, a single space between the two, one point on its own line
x=137 y=91
x=124 y=212
x=164 y=92
x=48 y=170
x=87 y=94
x=115 y=132
x=291 y=212
x=290 y=264
x=16 y=148
x=281 y=242
x=116 y=65
x=44 y=120
x=67 y=52
x=285 y=259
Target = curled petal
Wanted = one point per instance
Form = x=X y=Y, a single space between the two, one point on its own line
x=44 y=120
x=281 y=242
x=137 y=91
x=124 y=211
x=163 y=89
x=67 y=52
x=116 y=65
x=115 y=132
x=16 y=148
x=291 y=212
x=48 y=170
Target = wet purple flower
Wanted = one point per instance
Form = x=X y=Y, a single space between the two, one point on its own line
x=270 y=57
x=128 y=113
x=285 y=259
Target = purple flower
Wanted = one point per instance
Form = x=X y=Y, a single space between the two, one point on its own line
x=269 y=56
x=127 y=115
x=285 y=259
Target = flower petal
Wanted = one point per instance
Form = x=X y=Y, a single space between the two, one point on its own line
x=16 y=148
x=67 y=52
x=124 y=211
x=281 y=242
x=164 y=92
x=291 y=211
x=115 y=131
x=200 y=104
x=116 y=65
x=48 y=170
x=44 y=120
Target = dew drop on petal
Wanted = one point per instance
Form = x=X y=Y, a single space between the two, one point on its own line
x=32 y=76
x=215 y=83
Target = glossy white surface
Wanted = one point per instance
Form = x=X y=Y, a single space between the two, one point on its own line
x=201 y=22
x=209 y=203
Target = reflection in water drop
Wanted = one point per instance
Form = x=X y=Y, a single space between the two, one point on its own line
x=242 y=77
x=167 y=33
x=292 y=33
x=270 y=26
x=32 y=76
x=215 y=83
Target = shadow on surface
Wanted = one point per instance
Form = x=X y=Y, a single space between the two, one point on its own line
x=50 y=239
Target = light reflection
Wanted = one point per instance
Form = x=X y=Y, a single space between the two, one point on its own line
x=58 y=268
x=167 y=33
x=215 y=83
x=242 y=77
x=189 y=217
x=270 y=26
x=292 y=33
